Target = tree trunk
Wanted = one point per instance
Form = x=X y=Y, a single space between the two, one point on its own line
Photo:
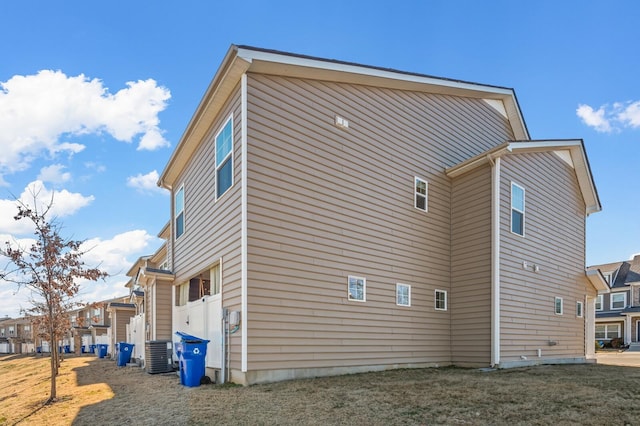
x=54 y=364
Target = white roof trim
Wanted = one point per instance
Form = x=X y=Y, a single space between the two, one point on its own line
x=597 y=280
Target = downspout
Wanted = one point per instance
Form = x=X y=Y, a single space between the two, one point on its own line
x=243 y=231
x=495 y=261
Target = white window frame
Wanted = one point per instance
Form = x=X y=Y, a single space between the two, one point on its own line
x=417 y=194
x=221 y=162
x=624 y=301
x=607 y=328
x=599 y=301
x=513 y=184
x=400 y=293
x=177 y=214
x=561 y=306
x=435 y=301
x=353 y=279
x=579 y=309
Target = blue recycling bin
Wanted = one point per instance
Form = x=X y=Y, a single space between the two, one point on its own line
x=124 y=353
x=67 y=349
x=102 y=349
x=192 y=352
x=83 y=349
x=92 y=349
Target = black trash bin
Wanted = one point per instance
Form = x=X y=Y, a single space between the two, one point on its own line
x=192 y=352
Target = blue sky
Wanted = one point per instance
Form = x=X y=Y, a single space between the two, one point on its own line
x=95 y=96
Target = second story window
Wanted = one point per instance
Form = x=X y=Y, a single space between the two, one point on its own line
x=224 y=158
x=178 y=212
x=441 y=300
x=517 y=209
x=618 y=300
x=421 y=193
x=599 y=302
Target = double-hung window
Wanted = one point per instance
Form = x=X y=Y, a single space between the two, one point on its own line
x=403 y=295
x=441 y=300
x=599 y=302
x=517 y=209
x=224 y=158
x=618 y=300
x=421 y=193
x=357 y=289
x=558 y=306
x=178 y=212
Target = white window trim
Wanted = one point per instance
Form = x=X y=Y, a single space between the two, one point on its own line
x=579 y=309
x=601 y=299
x=426 y=194
x=624 y=305
x=364 y=288
x=176 y=213
x=524 y=208
x=555 y=305
x=435 y=300
x=408 y=287
x=215 y=160
x=606 y=331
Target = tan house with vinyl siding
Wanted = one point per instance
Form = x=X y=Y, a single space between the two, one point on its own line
x=329 y=218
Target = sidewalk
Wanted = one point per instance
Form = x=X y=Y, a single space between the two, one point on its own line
x=626 y=358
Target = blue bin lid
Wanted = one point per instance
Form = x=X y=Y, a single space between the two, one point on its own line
x=188 y=338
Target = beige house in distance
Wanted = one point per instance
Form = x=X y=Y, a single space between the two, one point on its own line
x=329 y=217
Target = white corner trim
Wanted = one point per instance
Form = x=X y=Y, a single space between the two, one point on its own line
x=495 y=262
x=243 y=231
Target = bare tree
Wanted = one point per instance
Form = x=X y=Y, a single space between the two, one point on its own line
x=50 y=268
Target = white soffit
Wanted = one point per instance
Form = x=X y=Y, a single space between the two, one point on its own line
x=498 y=105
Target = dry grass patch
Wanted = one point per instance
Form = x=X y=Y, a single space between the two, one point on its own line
x=95 y=391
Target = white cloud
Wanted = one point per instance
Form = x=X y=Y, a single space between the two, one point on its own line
x=146 y=183
x=36 y=111
x=610 y=118
x=114 y=255
x=65 y=203
x=54 y=174
x=593 y=118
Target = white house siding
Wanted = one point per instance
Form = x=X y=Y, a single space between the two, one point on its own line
x=470 y=298
x=554 y=242
x=325 y=203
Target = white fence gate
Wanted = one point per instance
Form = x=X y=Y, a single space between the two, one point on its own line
x=136 y=334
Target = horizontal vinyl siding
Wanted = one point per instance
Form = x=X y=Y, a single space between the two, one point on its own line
x=554 y=240
x=163 y=308
x=471 y=268
x=325 y=203
x=213 y=228
x=122 y=320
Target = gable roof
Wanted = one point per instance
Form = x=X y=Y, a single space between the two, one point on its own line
x=626 y=272
x=569 y=150
x=243 y=59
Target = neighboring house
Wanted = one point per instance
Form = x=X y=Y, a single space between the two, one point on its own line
x=16 y=335
x=151 y=283
x=330 y=218
x=120 y=313
x=618 y=313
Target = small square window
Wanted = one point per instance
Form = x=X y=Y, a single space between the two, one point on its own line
x=441 y=300
x=421 y=194
x=558 y=305
x=579 y=310
x=403 y=295
x=357 y=289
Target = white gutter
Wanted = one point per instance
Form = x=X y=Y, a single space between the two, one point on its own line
x=495 y=262
x=243 y=231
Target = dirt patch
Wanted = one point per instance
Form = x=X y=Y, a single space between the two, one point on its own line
x=95 y=391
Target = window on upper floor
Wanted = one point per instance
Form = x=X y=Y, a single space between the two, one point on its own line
x=2 y=332
x=421 y=190
x=357 y=289
x=441 y=300
x=618 y=300
x=27 y=327
x=558 y=306
x=11 y=331
x=178 y=212
x=609 y=277
x=224 y=158
x=579 y=309
x=403 y=295
x=517 y=209
x=599 y=302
